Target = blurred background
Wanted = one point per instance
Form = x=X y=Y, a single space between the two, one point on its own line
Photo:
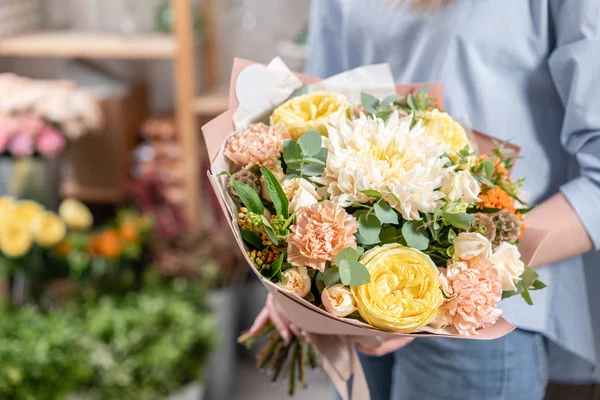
x=119 y=278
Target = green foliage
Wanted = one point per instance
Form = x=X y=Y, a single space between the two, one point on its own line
x=353 y=273
x=369 y=228
x=280 y=200
x=248 y=197
x=415 y=235
x=385 y=213
x=331 y=276
x=43 y=357
x=458 y=220
x=305 y=157
x=529 y=281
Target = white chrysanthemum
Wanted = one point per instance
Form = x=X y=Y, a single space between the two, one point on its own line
x=372 y=154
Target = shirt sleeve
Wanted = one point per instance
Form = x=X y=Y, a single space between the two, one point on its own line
x=575 y=68
x=324 y=57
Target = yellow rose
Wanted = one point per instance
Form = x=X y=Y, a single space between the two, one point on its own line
x=26 y=212
x=49 y=230
x=441 y=127
x=404 y=292
x=310 y=111
x=15 y=237
x=75 y=214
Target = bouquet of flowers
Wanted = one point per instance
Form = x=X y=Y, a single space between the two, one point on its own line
x=41 y=117
x=368 y=211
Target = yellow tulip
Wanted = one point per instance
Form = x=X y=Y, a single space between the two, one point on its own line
x=310 y=111
x=75 y=214
x=404 y=292
x=26 y=212
x=440 y=126
x=15 y=238
x=49 y=230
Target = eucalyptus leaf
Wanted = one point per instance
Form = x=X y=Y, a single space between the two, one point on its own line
x=320 y=281
x=415 y=235
x=290 y=151
x=249 y=197
x=370 y=103
x=348 y=254
x=331 y=276
x=383 y=114
x=310 y=297
x=459 y=220
x=360 y=251
x=310 y=143
x=385 y=213
x=353 y=273
x=387 y=102
x=369 y=228
x=390 y=234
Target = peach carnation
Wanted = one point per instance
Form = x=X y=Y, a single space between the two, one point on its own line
x=321 y=231
x=257 y=145
x=473 y=291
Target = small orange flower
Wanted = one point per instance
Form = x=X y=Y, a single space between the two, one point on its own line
x=129 y=232
x=63 y=249
x=109 y=244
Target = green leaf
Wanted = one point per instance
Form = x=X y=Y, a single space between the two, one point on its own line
x=360 y=251
x=322 y=155
x=458 y=220
x=252 y=238
x=529 y=276
x=249 y=197
x=509 y=293
x=331 y=276
x=310 y=297
x=370 y=103
x=511 y=193
x=320 y=281
x=383 y=114
x=483 y=180
x=415 y=235
x=369 y=228
x=290 y=151
x=410 y=100
x=451 y=235
x=372 y=193
x=525 y=210
x=537 y=285
x=348 y=254
x=312 y=170
x=353 y=273
x=385 y=213
x=387 y=102
x=280 y=200
x=310 y=143
x=488 y=168
x=390 y=234
x=269 y=230
x=527 y=297
x=275 y=268
x=314 y=160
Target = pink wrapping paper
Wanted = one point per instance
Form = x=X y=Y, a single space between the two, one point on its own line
x=334 y=337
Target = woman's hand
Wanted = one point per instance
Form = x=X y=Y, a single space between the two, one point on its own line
x=388 y=346
x=272 y=312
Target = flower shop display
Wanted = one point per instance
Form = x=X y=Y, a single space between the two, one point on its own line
x=41 y=117
x=146 y=345
x=368 y=212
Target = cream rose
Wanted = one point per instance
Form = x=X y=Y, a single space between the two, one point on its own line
x=462 y=186
x=507 y=260
x=338 y=300
x=471 y=245
x=300 y=193
x=296 y=281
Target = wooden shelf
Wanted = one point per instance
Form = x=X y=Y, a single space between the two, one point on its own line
x=89 y=45
x=90 y=194
x=211 y=103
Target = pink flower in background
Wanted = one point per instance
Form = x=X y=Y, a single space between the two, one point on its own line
x=21 y=145
x=257 y=145
x=473 y=293
x=50 y=142
x=31 y=125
